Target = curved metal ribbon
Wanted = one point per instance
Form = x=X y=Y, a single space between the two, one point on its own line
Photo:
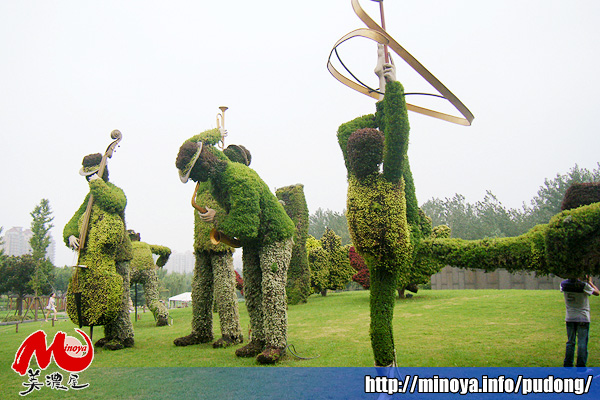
x=379 y=35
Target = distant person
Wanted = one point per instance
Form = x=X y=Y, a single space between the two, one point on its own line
x=577 y=304
x=51 y=306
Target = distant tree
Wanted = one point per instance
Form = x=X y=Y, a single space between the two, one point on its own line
x=61 y=278
x=489 y=218
x=362 y=276
x=329 y=264
x=455 y=212
x=1 y=243
x=177 y=283
x=546 y=204
x=321 y=219
x=15 y=277
x=40 y=227
x=40 y=240
x=239 y=282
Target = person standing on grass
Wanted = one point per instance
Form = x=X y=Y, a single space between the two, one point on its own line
x=51 y=306
x=577 y=293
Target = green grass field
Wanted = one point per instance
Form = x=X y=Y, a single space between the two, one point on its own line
x=463 y=328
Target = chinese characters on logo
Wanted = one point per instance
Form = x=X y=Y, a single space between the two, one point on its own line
x=68 y=354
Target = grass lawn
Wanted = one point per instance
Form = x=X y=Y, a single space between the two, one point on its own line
x=462 y=328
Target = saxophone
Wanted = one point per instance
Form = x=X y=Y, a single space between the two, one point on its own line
x=216 y=237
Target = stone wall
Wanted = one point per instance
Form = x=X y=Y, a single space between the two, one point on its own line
x=456 y=278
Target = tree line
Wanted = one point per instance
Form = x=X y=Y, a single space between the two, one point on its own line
x=34 y=274
x=332 y=262
x=487 y=218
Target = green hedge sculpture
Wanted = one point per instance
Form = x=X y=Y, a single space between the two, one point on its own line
x=104 y=284
x=144 y=271
x=298 y=277
x=253 y=215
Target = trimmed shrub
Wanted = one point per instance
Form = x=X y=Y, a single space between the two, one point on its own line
x=581 y=194
x=298 y=276
x=362 y=276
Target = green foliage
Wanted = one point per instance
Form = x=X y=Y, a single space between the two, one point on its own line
x=566 y=246
x=362 y=276
x=174 y=283
x=382 y=301
x=40 y=228
x=202 y=229
x=61 y=276
x=383 y=215
x=329 y=264
x=572 y=242
x=347 y=129
x=365 y=151
x=298 y=277
x=581 y=194
x=210 y=137
x=441 y=232
x=163 y=254
x=312 y=243
x=490 y=218
x=396 y=129
x=547 y=203
x=101 y=287
x=15 y=275
x=321 y=219
x=142 y=256
x=486 y=218
x=254 y=214
x=40 y=240
x=238 y=153
x=377 y=221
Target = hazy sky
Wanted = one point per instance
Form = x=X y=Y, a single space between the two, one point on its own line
x=72 y=71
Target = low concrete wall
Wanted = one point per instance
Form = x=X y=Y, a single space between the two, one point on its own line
x=457 y=278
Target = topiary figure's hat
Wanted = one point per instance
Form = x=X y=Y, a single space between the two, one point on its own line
x=91 y=164
x=191 y=149
x=238 y=153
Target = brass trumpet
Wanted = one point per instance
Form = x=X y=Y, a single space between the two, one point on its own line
x=216 y=237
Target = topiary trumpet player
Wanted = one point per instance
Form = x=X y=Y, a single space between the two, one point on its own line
x=214 y=275
x=253 y=215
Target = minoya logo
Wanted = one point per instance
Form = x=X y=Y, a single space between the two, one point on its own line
x=68 y=353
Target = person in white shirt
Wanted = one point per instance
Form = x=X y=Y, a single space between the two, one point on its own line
x=51 y=306
x=577 y=293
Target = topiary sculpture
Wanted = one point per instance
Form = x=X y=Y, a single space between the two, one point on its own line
x=104 y=283
x=298 y=277
x=569 y=245
x=143 y=270
x=250 y=213
x=377 y=205
x=214 y=275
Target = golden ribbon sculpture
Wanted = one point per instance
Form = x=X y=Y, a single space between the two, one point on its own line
x=379 y=35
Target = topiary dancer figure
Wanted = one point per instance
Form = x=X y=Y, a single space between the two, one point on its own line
x=214 y=275
x=567 y=246
x=104 y=283
x=253 y=215
x=376 y=205
x=143 y=270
